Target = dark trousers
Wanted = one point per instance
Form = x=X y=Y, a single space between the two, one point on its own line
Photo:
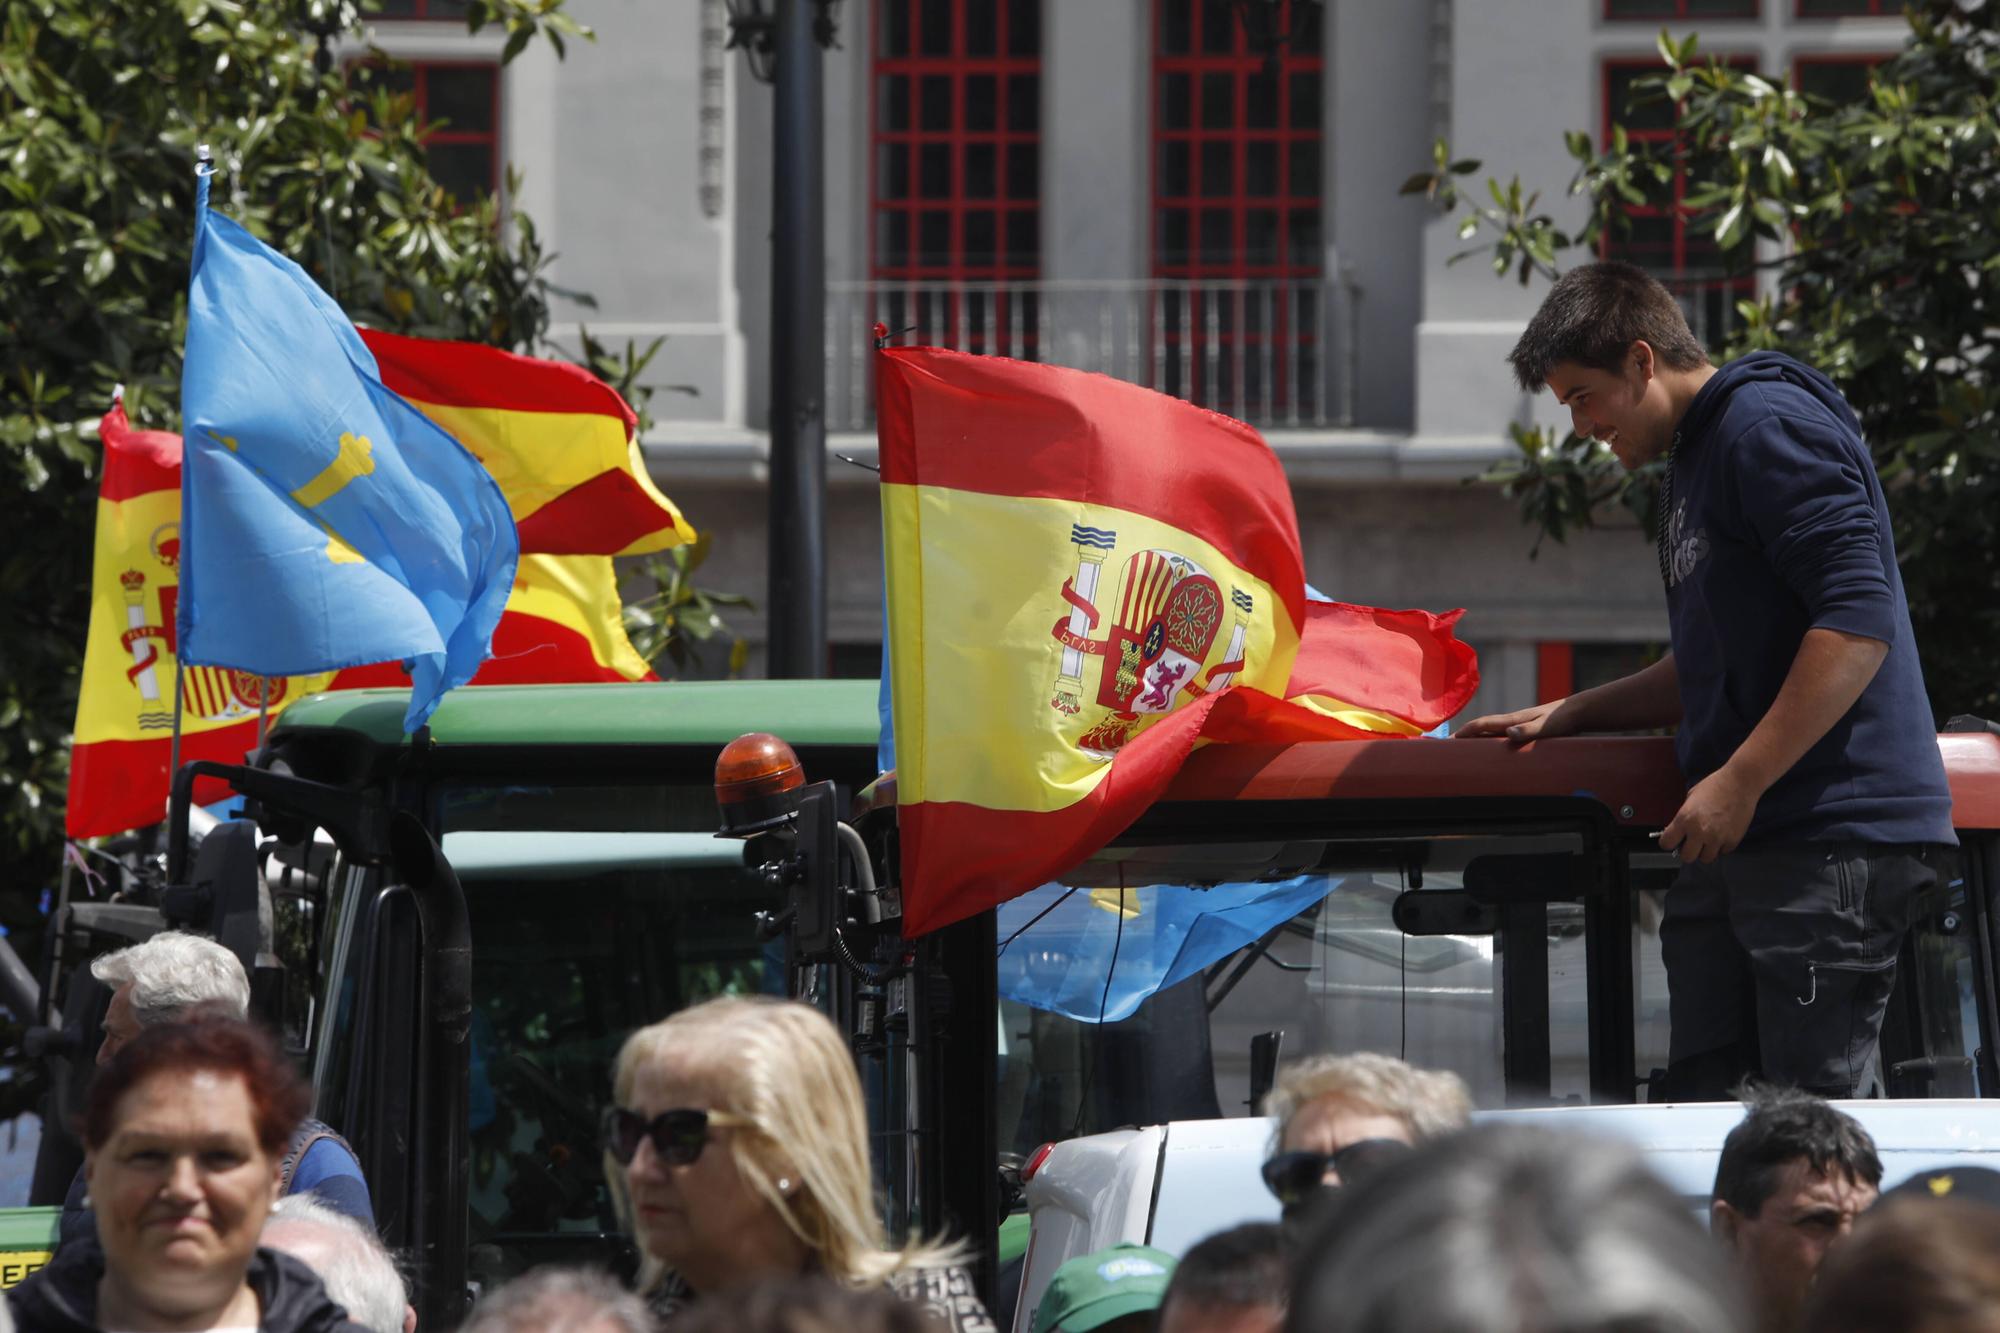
x=1780 y=959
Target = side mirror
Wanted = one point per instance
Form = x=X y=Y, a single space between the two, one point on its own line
x=1264 y=1050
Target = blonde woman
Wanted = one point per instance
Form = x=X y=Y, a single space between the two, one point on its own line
x=743 y=1143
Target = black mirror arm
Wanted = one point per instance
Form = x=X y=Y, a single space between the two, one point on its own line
x=355 y=820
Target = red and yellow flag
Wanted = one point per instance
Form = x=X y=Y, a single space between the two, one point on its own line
x=560 y=442
x=563 y=623
x=1085 y=579
x=125 y=708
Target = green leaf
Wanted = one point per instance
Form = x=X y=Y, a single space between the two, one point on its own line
x=98 y=267
x=1729 y=228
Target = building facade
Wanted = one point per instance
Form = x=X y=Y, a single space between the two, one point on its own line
x=1199 y=195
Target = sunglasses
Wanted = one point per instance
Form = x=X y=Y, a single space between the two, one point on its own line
x=678 y=1135
x=1293 y=1176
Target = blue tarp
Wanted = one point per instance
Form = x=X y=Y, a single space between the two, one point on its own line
x=1064 y=962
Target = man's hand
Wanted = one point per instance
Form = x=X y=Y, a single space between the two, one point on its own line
x=1713 y=818
x=1527 y=724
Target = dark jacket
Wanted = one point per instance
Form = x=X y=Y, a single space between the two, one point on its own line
x=62 y=1297
x=1777 y=525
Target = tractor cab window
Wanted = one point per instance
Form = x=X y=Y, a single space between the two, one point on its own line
x=595 y=911
x=1165 y=979
x=1472 y=953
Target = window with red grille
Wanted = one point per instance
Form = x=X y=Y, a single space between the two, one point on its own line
x=956 y=171
x=1682 y=9
x=1671 y=242
x=1835 y=9
x=1237 y=142
x=462 y=100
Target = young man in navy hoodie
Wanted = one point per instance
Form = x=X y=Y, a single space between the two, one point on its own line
x=1816 y=797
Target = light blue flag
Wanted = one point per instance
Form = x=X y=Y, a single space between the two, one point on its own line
x=1073 y=952
x=885 y=743
x=325 y=522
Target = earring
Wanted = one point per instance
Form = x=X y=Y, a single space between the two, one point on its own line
x=784 y=1184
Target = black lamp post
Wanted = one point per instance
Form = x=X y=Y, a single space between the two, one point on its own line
x=325 y=20
x=783 y=48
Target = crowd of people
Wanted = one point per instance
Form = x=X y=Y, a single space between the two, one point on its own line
x=737 y=1148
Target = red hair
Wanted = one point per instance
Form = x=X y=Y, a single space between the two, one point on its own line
x=206 y=1040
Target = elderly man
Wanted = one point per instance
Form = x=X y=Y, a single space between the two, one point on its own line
x=349 y=1258
x=1792 y=1178
x=1341 y=1116
x=576 y=1300
x=159 y=981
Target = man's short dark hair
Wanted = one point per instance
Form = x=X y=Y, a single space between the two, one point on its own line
x=1248 y=1265
x=1594 y=314
x=1782 y=1126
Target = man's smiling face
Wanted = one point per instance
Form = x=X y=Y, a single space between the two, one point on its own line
x=1625 y=408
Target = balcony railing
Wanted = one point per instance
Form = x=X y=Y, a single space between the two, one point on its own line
x=1272 y=352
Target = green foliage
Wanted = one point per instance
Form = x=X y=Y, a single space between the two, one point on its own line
x=682 y=618
x=1876 y=226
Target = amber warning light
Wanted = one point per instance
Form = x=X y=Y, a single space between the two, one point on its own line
x=757 y=783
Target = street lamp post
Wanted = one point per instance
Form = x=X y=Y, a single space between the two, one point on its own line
x=784 y=49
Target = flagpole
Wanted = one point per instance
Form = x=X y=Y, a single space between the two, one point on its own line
x=204 y=167
x=174 y=756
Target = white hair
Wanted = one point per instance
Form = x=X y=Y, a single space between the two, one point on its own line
x=1429 y=1101
x=350 y=1259
x=559 y=1300
x=173 y=972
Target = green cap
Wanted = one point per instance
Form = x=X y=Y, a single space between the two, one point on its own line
x=1097 y=1288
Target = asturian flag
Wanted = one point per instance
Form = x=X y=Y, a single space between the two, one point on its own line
x=326 y=523
x=1085 y=579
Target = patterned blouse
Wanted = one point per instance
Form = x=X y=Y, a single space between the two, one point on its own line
x=946 y=1292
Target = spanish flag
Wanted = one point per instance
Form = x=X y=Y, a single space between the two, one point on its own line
x=1085 y=579
x=125 y=708
x=561 y=443
x=563 y=622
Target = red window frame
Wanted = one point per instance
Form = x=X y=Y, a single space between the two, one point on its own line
x=1675 y=10
x=959 y=261
x=1870 y=9
x=1714 y=300
x=1267 y=333
x=448 y=135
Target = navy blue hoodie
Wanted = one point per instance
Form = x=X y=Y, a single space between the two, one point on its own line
x=1777 y=525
